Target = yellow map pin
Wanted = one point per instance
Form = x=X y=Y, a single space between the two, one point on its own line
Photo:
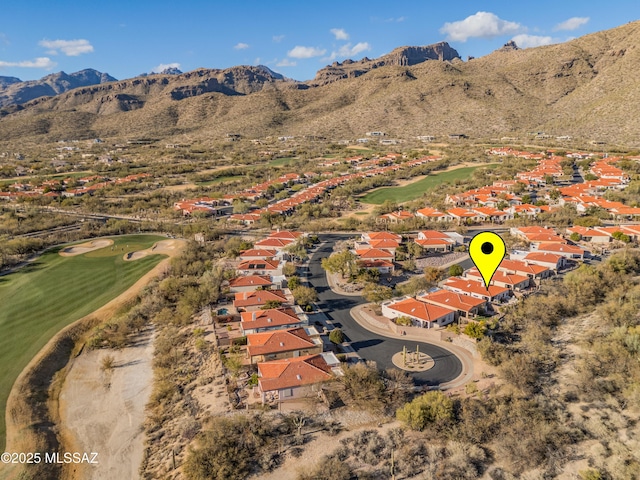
x=487 y=249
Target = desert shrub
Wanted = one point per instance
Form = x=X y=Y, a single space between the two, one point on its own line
x=432 y=408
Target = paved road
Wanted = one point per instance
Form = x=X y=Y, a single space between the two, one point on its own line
x=336 y=307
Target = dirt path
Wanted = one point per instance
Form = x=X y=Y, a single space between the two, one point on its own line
x=31 y=402
x=104 y=410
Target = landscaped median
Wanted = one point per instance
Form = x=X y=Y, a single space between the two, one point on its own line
x=472 y=368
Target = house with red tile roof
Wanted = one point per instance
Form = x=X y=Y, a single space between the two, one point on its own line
x=529 y=269
x=244 y=218
x=589 y=234
x=260 y=266
x=396 y=217
x=512 y=281
x=369 y=236
x=463 y=305
x=271 y=243
x=249 y=283
x=256 y=300
x=552 y=261
x=256 y=254
x=563 y=249
x=475 y=289
x=461 y=215
x=299 y=377
x=374 y=254
x=422 y=314
x=267 y=320
x=433 y=215
x=385 y=267
x=279 y=344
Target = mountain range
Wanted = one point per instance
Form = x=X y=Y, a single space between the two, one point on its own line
x=586 y=88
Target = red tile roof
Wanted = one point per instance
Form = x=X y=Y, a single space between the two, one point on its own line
x=471 y=286
x=258 y=297
x=420 y=310
x=293 y=372
x=457 y=301
x=271 y=318
x=250 y=281
x=278 y=341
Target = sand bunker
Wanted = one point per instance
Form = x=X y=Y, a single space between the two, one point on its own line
x=161 y=247
x=85 y=247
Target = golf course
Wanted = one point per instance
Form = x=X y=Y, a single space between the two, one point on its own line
x=413 y=190
x=56 y=289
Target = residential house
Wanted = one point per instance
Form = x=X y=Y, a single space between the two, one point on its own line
x=256 y=300
x=433 y=215
x=279 y=344
x=463 y=305
x=589 y=234
x=375 y=254
x=261 y=266
x=564 y=249
x=422 y=314
x=249 y=283
x=475 y=289
x=529 y=269
x=501 y=278
x=296 y=377
x=385 y=267
x=267 y=320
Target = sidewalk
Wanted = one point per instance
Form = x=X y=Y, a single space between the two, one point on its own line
x=371 y=324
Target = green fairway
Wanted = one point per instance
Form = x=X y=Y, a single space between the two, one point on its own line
x=43 y=297
x=220 y=180
x=414 y=190
x=279 y=162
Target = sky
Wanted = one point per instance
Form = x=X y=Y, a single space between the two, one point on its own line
x=295 y=38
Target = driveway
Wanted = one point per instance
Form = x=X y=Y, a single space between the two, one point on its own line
x=365 y=343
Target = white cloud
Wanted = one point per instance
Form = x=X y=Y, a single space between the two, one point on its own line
x=305 y=52
x=340 y=33
x=482 y=25
x=40 y=62
x=71 y=48
x=527 y=41
x=4 y=39
x=398 y=19
x=348 y=51
x=163 y=66
x=277 y=38
x=285 y=62
x=241 y=46
x=571 y=24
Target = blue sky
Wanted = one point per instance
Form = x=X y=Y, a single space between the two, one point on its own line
x=297 y=38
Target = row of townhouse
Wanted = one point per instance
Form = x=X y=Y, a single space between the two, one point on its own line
x=288 y=352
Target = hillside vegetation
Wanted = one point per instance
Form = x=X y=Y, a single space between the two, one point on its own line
x=585 y=88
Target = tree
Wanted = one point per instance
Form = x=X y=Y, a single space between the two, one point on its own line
x=414 y=250
x=289 y=269
x=432 y=275
x=575 y=237
x=622 y=237
x=377 y=293
x=414 y=285
x=293 y=282
x=431 y=408
x=304 y=295
x=240 y=206
x=343 y=263
x=272 y=304
x=336 y=336
x=555 y=194
x=475 y=329
x=455 y=270
x=526 y=198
